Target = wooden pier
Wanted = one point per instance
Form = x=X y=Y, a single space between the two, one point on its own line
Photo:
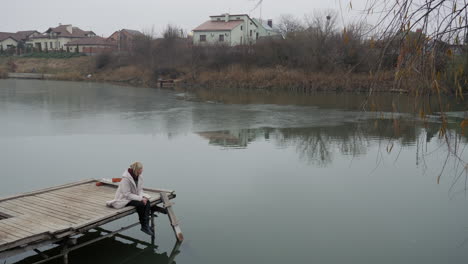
x=31 y=220
x=40 y=76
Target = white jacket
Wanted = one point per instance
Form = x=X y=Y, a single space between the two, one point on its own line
x=127 y=191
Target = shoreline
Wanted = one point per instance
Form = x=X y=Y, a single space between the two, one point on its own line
x=230 y=79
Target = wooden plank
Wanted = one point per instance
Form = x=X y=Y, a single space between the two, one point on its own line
x=104 y=220
x=19 y=226
x=97 y=200
x=9 y=212
x=8 y=240
x=25 y=241
x=84 y=206
x=99 y=189
x=47 y=205
x=89 y=201
x=25 y=231
x=79 y=206
x=46 y=190
x=28 y=202
x=12 y=232
x=69 y=204
x=2 y=236
x=172 y=217
x=36 y=216
x=88 y=193
x=98 y=194
x=55 y=208
x=31 y=220
x=41 y=211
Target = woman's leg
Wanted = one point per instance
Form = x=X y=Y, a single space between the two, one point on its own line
x=143 y=211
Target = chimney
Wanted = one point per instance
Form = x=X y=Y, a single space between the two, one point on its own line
x=226 y=17
x=270 y=23
x=70 y=29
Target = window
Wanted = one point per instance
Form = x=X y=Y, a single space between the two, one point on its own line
x=218 y=19
x=256 y=36
x=238 y=18
x=51 y=46
x=250 y=32
x=202 y=38
x=221 y=38
x=242 y=27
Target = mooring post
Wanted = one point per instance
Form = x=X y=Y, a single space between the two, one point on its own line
x=65 y=253
x=170 y=212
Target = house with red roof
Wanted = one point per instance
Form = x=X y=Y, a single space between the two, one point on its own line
x=9 y=40
x=91 y=45
x=228 y=30
x=54 y=39
x=124 y=39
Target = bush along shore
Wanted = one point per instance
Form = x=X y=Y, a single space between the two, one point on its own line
x=234 y=77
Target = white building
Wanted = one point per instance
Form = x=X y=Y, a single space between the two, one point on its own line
x=12 y=40
x=7 y=41
x=227 y=29
x=56 y=38
x=266 y=29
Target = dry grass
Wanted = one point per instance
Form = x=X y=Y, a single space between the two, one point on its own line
x=54 y=66
x=283 y=79
x=231 y=78
x=3 y=73
x=130 y=73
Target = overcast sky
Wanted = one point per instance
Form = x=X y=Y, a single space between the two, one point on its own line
x=106 y=16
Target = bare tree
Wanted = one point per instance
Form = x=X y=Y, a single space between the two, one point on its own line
x=432 y=52
x=289 y=25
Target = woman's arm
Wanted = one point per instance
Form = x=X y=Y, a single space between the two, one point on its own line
x=126 y=191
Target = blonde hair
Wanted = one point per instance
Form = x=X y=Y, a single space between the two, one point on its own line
x=136 y=166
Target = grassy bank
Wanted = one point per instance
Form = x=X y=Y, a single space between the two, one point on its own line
x=291 y=80
x=230 y=78
x=74 y=69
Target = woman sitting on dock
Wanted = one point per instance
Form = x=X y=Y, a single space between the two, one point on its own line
x=130 y=193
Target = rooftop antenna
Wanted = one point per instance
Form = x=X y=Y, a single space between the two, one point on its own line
x=259 y=4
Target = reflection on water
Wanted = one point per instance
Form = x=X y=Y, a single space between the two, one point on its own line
x=317 y=144
x=117 y=249
x=386 y=102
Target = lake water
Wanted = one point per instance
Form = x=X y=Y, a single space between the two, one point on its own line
x=309 y=182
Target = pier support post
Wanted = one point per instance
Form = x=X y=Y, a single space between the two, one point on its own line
x=153 y=227
x=65 y=253
x=170 y=212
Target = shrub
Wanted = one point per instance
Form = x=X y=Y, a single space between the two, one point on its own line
x=103 y=60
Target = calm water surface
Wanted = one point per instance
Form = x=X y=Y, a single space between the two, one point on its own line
x=255 y=183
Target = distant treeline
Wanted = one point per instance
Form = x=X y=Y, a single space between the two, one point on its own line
x=314 y=45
